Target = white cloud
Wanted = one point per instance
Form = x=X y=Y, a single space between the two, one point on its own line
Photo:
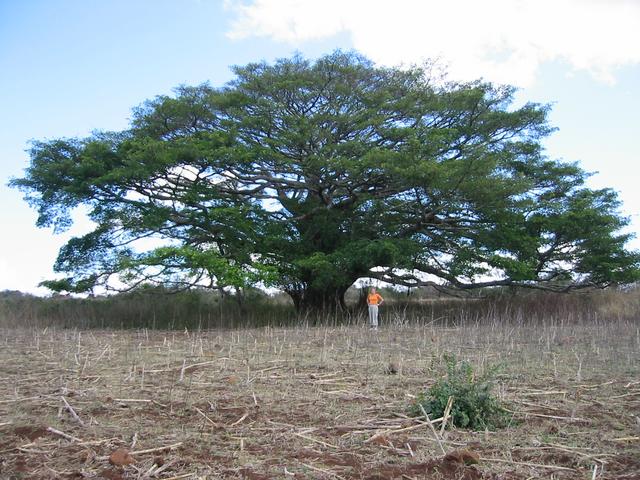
x=502 y=40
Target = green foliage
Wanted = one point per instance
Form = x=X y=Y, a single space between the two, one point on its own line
x=474 y=405
x=309 y=175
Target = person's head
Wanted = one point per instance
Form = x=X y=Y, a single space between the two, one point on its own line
x=372 y=290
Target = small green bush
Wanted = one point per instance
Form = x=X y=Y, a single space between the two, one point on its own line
x=474 y=405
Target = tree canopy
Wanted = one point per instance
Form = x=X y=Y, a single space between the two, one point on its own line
x=307 y=175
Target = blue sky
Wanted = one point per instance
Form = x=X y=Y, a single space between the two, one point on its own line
x=70 y=67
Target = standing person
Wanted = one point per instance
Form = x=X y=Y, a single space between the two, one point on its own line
x=374 y=300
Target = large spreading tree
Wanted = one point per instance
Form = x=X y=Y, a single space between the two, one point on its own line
x=307 y=175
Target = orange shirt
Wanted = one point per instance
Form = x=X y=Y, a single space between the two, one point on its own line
x=374 y=299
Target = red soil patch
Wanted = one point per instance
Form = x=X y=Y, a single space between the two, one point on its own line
x=111 y=475
x=441 y=469
x=546 y=457
x=20 y=464
x=468 y=457
x=452 y=467
x=202 y=455
x=121 y=457
x=32 y=433
x=381 y=440
x=74 y=476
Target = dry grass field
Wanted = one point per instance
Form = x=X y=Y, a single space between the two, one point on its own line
x=314 y=402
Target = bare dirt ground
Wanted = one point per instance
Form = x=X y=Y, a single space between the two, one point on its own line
x=315 y=402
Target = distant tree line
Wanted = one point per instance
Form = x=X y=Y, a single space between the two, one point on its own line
x=157 y=308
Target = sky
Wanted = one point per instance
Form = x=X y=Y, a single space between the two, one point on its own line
x=70 y=67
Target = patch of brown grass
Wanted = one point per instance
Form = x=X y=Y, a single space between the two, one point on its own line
x=315 y=402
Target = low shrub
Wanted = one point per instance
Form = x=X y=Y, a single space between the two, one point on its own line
x=474 y=405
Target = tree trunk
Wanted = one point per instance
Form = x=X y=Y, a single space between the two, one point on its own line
x=362 y=299
x=329 y=301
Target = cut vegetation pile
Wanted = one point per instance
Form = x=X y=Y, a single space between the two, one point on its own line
x=316 y=403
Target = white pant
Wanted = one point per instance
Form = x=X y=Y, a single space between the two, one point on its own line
x=373 y=315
